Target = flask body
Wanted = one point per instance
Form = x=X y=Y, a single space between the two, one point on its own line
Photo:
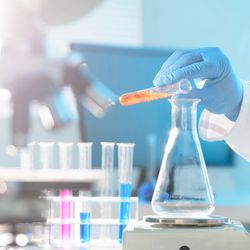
x=183 y=187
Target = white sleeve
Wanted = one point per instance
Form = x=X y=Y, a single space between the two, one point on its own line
x=214 y=127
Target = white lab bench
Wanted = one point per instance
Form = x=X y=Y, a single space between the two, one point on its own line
x=238 y=213
x=218 y=176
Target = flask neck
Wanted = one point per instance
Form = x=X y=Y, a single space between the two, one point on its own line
x=184 y=114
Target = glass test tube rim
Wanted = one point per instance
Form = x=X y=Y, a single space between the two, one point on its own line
x=107 y=143
x=129 y=144
x=83 y=144
x=31 y=144
x=65 y=144
x=45 y=144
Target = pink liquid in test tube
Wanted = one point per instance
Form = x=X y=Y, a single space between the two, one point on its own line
x=65 y=213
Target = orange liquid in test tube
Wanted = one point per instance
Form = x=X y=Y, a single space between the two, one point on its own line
x=141 y=96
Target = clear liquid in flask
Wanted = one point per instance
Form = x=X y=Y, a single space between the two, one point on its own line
x=183 y=187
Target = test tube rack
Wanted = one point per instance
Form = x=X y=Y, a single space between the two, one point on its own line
x=80 y=221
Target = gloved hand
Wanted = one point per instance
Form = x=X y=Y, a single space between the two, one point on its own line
x=222 y=92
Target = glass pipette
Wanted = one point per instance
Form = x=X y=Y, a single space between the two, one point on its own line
x=155 y=93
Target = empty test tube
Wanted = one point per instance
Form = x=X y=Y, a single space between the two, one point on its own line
x=46 y=154
x=65 y=214
x=155 y=93
x=107 y=185
x=108 y=168
x=27 y=156
x=65 y=155
x=84 y=155
x=125 y=164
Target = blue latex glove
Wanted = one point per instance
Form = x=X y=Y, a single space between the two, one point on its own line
x=222 y=92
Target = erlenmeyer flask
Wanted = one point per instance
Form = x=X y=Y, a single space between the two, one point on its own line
x=183 y=187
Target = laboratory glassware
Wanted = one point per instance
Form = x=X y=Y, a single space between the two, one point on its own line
x=125 y=164
x=84 y=155
x=108 y=168
x=182 y=187
x=83 y=222
x=65 y=155
x=107 y=184
x=82 y=217
x=85 y=216
x=27 y=156
x=46 y=155
x=65 y=214
x=85 y=227
x=155 y=93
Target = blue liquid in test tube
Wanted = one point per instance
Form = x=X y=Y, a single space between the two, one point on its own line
x=85 y=227
x=124 y=212
x=125 y=164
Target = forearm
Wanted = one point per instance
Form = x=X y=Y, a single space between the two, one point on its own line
x=237 y=134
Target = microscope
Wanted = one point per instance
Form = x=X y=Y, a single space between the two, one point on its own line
x=34 y=76
x=56 y=108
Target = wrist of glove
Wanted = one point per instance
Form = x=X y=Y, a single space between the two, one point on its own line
x=233 y=96
x=220 y=96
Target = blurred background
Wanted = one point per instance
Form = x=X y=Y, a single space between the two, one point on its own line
x=123 y=44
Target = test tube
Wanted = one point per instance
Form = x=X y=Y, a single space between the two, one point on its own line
x=46 y=154
x=155 y=93
x=27 y=156
x=84 y=155
x=82 y=215
x=107 y=185
x=85 y=227
x=125 y=164
x=108 y=168
x=65 y=214
x=65 y=155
